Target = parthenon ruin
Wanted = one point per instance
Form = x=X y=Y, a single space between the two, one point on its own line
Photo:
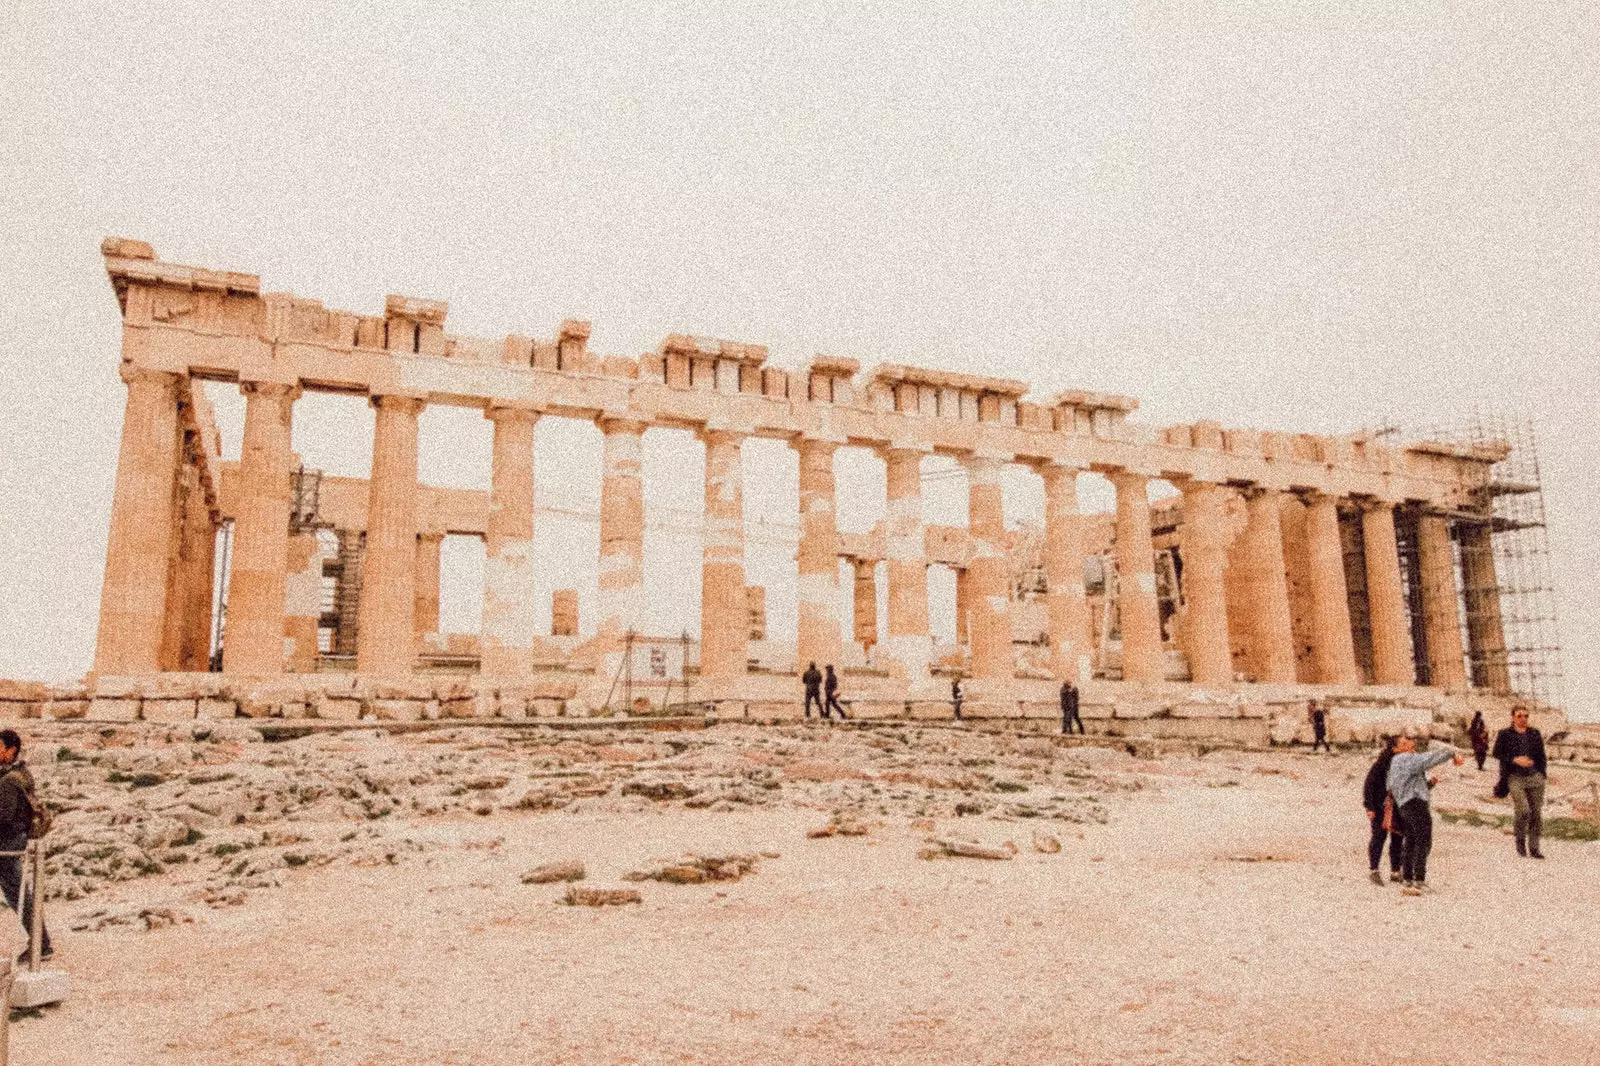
x=1286 y=560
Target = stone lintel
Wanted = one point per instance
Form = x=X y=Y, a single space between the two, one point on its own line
x=900 y=374
x=415 y=309
x=713 y=348
x=1096 y=401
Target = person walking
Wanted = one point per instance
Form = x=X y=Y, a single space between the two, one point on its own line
x=1319 y=728
x=1409 y=785
x=1069 y=708
x=1519 y=749
x=830 y=688
x=18 y=801
x=1380 y=816
x=1478 y=734
x=812 y=680
x=956 y=698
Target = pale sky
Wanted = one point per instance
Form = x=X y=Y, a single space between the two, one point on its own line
x=1313 y=217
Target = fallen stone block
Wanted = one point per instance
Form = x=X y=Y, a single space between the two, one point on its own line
x=967 y=849
x=659 y=789
x=697 y=869
x=551 y=872
x=1045 y=843
x=389 y=710
x=596 y=896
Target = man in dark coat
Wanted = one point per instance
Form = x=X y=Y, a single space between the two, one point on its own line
x=830 y=688
x=1069 y=708
x=17 y=798
x=812 y=679
x=1520 y=751
x=1319 y=728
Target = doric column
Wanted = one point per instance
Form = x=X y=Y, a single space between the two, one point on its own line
x=1386 y=598
x=508 y=564
x=253 y=642
x=621 y=537
x=1486 y=635
x=387 y=643
x=1136 y=580
x=186 y=640
x=1441 y=608
x=302 y=603
x=908 y=647
x=134 y=593
x=724 y=614
x=425 y=616
x=1205 y=561
x=989 y=573
x=963 y=606
x=1266 y=579
x=1066 y=608
x=865 y=603
x=1333 y=653
x=818 y=556
x=200 y=553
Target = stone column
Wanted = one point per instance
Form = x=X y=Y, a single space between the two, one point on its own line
x=186 y=641
x=1486 y=634
x=425 y=616
x=508 y=562
x=1441 y=608
x=908 y=647
x=1386 y=598
x=134 y=592
x=989 y=573
x=724 y=614
x=1066 y=607
x=200 y=553
x=386 y=643
x=302 y=603
x=1333 y=652
x=1271 y=633
x=1142 y=658
x=818 y=556
x=1205 y=561
x=865 y=603
x=253 y=642
x=621 y=538
x=963 y=606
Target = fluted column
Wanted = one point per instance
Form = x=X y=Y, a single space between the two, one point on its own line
x=724 y=613
x=621 y=537
x=1441 y=608
x=1486 y=634
x=908 y=647
x=200 y=552
x=425 y=615
x=964 y=606
x=1386 y=598
x=1136 y=580
x=387 y=643
x=186 y=640
x=1066 y=607
x=254 y=640
x=134 y=593
x=818 y=556
x=864 y=600
x=508 y=563
x=1205 y=561
x=1266 y=579
x=1333 y=653
x=989 y=573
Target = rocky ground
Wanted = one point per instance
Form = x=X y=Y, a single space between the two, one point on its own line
x=801 y=893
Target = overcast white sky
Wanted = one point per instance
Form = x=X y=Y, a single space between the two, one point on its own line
x=1280 y=214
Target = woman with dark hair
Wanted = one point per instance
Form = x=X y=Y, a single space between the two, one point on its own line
x=1384 y=825
x=1478 y=733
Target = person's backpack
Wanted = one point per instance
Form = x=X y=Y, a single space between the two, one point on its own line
x=40 y=819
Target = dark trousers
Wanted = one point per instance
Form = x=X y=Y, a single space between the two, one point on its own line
x=813 y=696
x=1397 y=844
x=1069 y=717
x=1416 y=821
x=1321 y=737
x=11 y=886
x=833 y=705
x=1480 y=754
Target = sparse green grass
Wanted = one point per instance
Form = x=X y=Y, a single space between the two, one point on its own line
x=1577 y=829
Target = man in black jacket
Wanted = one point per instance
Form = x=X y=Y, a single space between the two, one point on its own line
x=1069 y=708
x=812 y=680
x=16 y=816
x=1520 y=751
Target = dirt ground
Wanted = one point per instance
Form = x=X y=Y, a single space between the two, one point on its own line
x=1202 y=908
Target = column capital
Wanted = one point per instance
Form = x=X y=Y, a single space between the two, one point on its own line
x=277 y=390
x=611 y=422
x=510 y=412
x=1127 y=475
x=710 y=435
x=430 y=534
x=1197 y=482
x=407 y=403
x=132 y=372
x=903 y=447
x=1046 y=466
x=815 y=444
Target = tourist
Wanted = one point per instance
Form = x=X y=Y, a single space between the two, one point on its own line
x=18 y=801
x=1380 y=816
x=813 y=683
x=956 y=699
x=1319 y=728
x=1478 y=734
x=1519 y=749
x=1409 y=785
x=831 y=688
x=1069 y=708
